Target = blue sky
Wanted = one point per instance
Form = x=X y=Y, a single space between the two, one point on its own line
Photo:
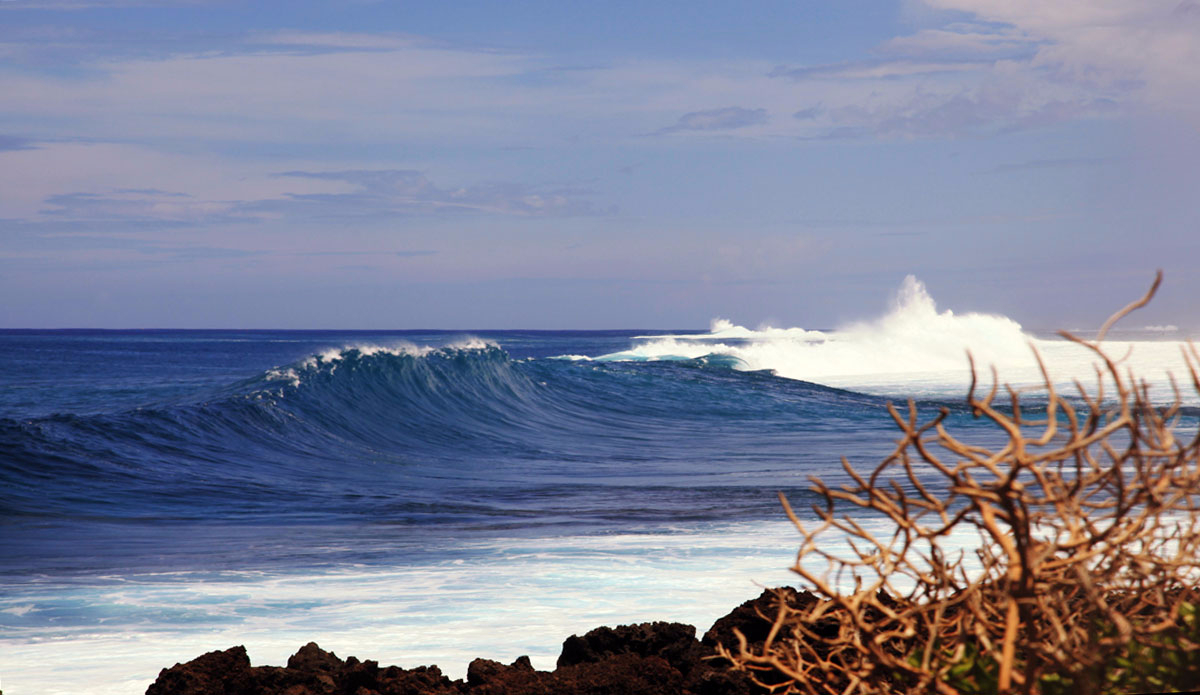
x=587 y=165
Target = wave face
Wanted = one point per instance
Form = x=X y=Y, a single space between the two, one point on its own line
x=451 y=437
x=512 y=430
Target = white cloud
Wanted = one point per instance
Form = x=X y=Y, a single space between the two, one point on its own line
x=307 y=87
x=79 y=182
x=31 y=177
x=963 y=40
x=132 y=204
x=724 y=119
x=342 y=40
x=392 y=192
x=1016 y=65
x=279 y=87
x=88 y=4
x=1147 y=48
x=871 y=70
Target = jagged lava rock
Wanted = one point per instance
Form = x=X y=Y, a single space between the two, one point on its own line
x=214 y=673
x=618 y=674
x=656 y=658
x=675 y=643
x=313 y=659
x=755 y=617
x=311 y=671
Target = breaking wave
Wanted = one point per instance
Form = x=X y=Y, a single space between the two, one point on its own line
x=913 y=349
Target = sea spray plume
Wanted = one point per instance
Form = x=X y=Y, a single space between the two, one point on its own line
x=1088 y=524
x=914 y=348
x=912 y=338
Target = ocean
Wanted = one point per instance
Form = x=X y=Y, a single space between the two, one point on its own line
x=423 y=497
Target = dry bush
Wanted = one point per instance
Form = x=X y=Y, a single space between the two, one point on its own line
x=1086 y=528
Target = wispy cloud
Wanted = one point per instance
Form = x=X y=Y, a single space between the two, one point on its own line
x=1013 y=66
x=264 y=87
x=104 y=245
x=1146 y=49
x=950 y=97
x=875 y=69
x=63 y=5
x=60 y=184
x=1004 y=70
x=965 y=41
x=401 y=254
x=137 y=204
x=808 y=114
x=729 y=118
x=11 y=142
x=1063 y=163
x=311 y=41
x=983 y=110
x=402 y=191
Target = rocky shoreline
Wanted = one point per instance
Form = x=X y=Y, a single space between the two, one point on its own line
x=656 y=658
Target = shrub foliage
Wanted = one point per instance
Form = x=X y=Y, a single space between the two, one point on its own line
x=1087 y=532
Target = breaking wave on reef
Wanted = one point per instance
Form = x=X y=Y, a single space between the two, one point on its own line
x=913 y=349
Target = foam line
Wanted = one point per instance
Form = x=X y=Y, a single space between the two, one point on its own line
x=533 y=591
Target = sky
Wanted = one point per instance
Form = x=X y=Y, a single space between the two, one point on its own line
x=406 y=165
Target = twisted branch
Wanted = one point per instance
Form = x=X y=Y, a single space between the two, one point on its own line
x=1088 y=542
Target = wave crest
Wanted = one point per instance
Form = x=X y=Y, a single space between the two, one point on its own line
x=330 y=360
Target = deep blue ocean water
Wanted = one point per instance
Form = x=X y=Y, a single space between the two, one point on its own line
x=145 y=449
x=409 y=495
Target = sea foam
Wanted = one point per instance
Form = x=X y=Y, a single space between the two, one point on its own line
x=497 y=599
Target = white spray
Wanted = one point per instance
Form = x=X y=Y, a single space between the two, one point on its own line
x=913 y=349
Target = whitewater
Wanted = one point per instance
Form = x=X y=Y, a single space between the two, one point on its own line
x=917 y=350
x=423 y=497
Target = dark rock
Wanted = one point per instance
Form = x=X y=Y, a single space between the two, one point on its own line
x=691 y=668
x=754 y=620
x=287 y=681
x=622 y=674
x=363 y=675
x=483 y=671
x=645 y=659
x=755 y=617
x=214 y=673
x=487 y=677
x=311 y=671
x=721 y=681
x=675 y=643
x=422 y=680
x=313 y=659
